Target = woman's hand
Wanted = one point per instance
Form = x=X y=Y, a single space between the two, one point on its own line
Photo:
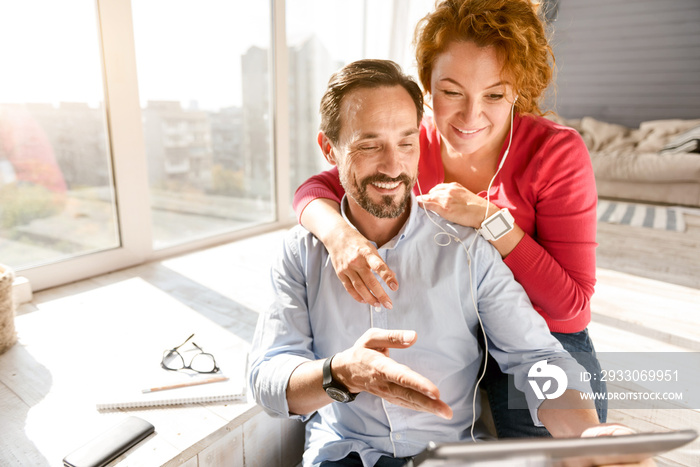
x=355 y=261
x=457 y=204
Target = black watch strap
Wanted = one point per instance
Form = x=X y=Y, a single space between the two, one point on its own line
x=327 y=375
x=335 y=390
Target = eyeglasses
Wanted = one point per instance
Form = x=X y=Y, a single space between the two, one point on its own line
x=201 y=363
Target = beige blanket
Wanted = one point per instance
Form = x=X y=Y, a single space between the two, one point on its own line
x=611 y=138
x=632 y=154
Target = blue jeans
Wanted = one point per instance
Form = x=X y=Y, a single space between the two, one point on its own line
x=517 y=423
x=353 y=460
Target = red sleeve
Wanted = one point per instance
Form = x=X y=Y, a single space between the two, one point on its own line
x=324 y=185
x=557 y=267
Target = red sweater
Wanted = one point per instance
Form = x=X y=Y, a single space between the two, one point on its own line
x=547 y=184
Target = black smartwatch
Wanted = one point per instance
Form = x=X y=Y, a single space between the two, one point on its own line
x=333 y=388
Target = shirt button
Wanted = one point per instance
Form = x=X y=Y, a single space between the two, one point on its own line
x=397 y=436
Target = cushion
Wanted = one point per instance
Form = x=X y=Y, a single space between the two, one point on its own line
x=688 y=141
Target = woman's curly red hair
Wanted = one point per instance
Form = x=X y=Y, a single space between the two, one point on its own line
x=513 y=27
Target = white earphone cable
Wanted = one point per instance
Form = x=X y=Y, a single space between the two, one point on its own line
x=503 y=160
x=451 y=237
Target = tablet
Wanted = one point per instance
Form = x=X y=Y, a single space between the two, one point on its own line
x=569 y=452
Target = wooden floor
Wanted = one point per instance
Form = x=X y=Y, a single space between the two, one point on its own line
x=647 y=299
x=672 y=257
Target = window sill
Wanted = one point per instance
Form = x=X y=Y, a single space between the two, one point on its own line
x=21 y=291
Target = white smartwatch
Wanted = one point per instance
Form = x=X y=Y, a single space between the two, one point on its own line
x=497 y=225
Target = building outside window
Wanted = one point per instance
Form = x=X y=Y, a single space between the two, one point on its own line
x=205 y=90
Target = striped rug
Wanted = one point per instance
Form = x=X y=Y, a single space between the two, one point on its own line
x=641 y=215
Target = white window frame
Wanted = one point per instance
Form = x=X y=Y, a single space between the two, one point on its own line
x=129 y=155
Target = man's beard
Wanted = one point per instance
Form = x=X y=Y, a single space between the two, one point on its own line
x=387 y=208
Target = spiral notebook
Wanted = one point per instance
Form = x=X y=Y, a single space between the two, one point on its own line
x=131 y=390
x=132 y=395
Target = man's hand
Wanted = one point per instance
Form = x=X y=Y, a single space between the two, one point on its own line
x=607 y=429
x=615 y=429
x=570 y=416
x=366 y=366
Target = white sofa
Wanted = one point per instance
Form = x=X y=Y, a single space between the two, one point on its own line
x=631 y=163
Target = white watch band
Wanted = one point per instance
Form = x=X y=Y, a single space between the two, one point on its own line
x=497 y=225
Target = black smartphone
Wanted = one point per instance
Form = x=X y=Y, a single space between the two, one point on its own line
x=110 y=444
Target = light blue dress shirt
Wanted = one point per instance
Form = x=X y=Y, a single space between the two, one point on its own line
x=313 y=317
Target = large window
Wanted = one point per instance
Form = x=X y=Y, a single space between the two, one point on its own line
x=134 y=130
x=56 y=193
x=205 y=91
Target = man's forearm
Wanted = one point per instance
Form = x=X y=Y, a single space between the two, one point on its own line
x=568 y=415
x=305 y=393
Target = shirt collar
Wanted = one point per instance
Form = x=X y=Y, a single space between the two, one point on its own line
x=406 y=229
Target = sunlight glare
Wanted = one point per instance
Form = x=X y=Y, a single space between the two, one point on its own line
x=49 y=52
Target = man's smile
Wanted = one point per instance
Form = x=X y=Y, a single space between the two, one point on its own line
x=387 y=185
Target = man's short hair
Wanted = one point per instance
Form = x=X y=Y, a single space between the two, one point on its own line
x=367 y=73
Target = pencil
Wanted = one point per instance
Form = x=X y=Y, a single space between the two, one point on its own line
x=215 y=379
